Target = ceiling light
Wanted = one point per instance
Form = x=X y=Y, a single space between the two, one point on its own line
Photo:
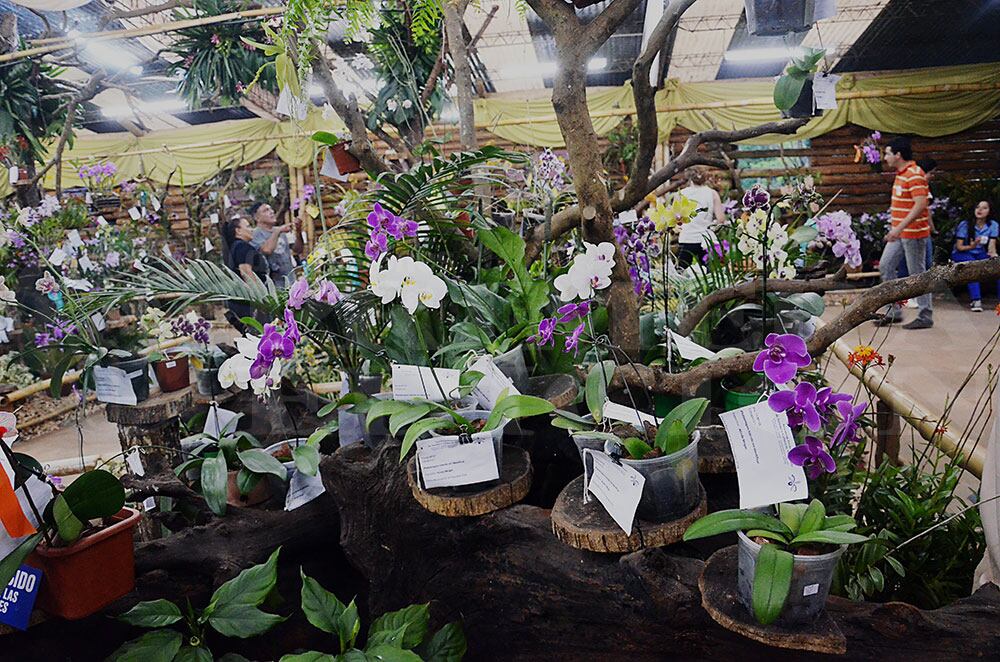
x=159 y=106
x=136 y=70
x=766 y=54
x=597 y=64
x=547 y=69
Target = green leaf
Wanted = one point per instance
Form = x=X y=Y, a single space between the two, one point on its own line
x=787 y=91
x=152 y=614
x=55 y=386
x=326 y=138
x=596 y=388
x=447 y=645
x=689 y=412
x=636 y=447
x=311 y=656
x=415 y=618
x=242 y=621
x=418 y=429
x=214 y=477
x=386 y=408
x=392 y=638
x=407 y=416
x=321 y=607
x=771 y=582
x=348 y=625
x=306 y=459
x=156 y=646
x=67 y=524
x=673 y=438
x=803 y=234
x=246 y=481
x=250 y=587
x=513 y=407
x=262 y=462
x=391 y=654
x=567 y=424
x=812 y=519
x=770 y=535
x=791 y=514
x=95 y=495
x=725 y=521
x=829 y=537
x=193 y=654
x=839 y=522
x=810 y=302
x=10 y=563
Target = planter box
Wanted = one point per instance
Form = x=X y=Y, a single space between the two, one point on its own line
x=172 y=373
x=91 y=573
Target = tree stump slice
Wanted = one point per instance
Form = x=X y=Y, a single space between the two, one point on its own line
x=718 y=596
x=560 y=390
x=515 y=481
x=589 y=526
x=155 y=409
x=714 y=453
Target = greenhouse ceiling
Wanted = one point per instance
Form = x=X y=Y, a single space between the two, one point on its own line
x=514 y=52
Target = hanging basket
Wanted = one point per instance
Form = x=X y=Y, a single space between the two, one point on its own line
x=805 y=105
x=346 y=162
x=770 y=18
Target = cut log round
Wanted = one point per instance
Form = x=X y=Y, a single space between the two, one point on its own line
x=514 y=485
x=714 y=454
x=589 y=526
x=560 y=390
x=718 y=596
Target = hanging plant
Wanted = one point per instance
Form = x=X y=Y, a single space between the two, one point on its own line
x=33 y=105
x=216 y=64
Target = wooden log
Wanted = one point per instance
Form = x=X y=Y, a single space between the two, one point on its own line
x=718 y=596
x=560 y=390
x=715 y=456
x=153 y=426
x=513 y=486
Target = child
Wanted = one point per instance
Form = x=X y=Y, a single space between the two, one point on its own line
x=976 y=241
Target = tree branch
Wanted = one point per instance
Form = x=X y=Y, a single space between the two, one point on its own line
x=557 y=14
x=659 y=381
x=606 y=24
x=145 y=11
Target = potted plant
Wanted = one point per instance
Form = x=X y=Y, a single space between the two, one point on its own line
x=83 y=546
x=170 y=366
x=793 y=92
x=99 y=180
x=786 y=563
x=741 y=390
x=205 y=357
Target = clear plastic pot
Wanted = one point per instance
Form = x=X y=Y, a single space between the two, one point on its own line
x=496 y=434
x=672 y=489
x=511 y=363
x=811 y=579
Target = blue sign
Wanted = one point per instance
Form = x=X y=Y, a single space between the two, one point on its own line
x=18 y=597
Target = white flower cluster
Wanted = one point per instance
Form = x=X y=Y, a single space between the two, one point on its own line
x=412 y=281
x=589 y=272
x=752 y=241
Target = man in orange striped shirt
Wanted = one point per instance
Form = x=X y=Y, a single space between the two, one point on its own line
x=910 y=232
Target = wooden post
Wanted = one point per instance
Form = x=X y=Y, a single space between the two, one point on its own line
x=888 y=432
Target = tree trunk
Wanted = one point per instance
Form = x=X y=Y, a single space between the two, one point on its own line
x=453 y=12
x=569 y=99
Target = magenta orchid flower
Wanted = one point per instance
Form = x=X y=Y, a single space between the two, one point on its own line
x=827 y=399
x=273 y=345
x=782 y=357
x=546 y=328
x=799 y=405
x=573 y=339
x=812 y=456
x=298 y=293
x=572 y=311
x=850 y=422
x=291 y=327
x=327 y=292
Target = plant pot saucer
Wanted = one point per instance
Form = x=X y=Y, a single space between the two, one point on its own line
x=589 y=526
x=515 y=481
x=718 y=596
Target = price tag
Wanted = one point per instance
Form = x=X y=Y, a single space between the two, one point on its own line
x=410 y=381
x=57 y=257
x=444 y=462
x=98 y=320
x=617 y=412
x=73 y=236
x=12 y=174
x=213 y=195
x=220 y=422
x=760 y=439
x=156 y=203
x=617 y=486
x=274 y=189
x=134 y=213
x=689 y=349
x=102 y=221
x=18 y=598
x=628 y=217
x=214 y=218
x=208 y=245
x=138 y=265
x=88 y=198
x=86 y=264
x=493 y=383
x=302 y=489
x=226 y=202
x=134 y=461
x=114 y=385
x=825 y=91
x=81 y=284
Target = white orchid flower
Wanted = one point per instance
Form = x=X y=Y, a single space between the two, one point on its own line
x=235 y=370
x=420 y=285
x=590 y=271
x=6 y=294
x=386 y=283
x=602 y=254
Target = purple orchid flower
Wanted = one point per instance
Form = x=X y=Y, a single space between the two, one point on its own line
x=377 y=245
x=298 y=293
x=827 y=399
x=546 y=328
x=812 y=456
x=327 y=292
x=573 y=339
x=782 y=358
x=850 y=425
x=572 y=311
x=273 y=345
x=291 y=327
x=799 y=405
x=757 y=198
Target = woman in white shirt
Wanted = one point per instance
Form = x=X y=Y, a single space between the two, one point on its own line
x=696 y=235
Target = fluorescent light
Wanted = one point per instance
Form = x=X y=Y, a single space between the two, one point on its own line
x=160 y=106
x=597 y=64
x=546 y=69
x=136 y=70
x=766 y=54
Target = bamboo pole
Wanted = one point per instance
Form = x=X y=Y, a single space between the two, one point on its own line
x=74 y=375
x=51 y=45
x=901 y=403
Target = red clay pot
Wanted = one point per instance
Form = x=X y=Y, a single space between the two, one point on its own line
x=172 y=373
x=346 y=162
x=90 y=574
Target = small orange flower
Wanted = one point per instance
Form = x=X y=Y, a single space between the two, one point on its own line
x=941 y=429
x=864 y=355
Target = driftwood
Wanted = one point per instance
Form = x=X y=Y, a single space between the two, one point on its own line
x=523 y=595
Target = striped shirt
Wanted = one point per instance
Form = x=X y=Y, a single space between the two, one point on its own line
x=910 y=183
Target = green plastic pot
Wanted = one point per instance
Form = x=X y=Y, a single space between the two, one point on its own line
x=735 y=399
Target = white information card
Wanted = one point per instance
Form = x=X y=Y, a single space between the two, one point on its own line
x=617 y=486
x=114 y=385
x=444 y=462
x=493 y=383
x=760 y=439
x=411 y=381
x=617 y=412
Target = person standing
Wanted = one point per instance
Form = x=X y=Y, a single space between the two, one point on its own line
x=977 y=241
x=245 y=260
x=272 y=241
x=696 y=235
x=910 y=233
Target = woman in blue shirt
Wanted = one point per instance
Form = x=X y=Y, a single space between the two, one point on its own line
x=976 y=241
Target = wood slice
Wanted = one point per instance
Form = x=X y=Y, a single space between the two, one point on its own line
x=714 y=453
x=589 y=526
x=514 y=484
x=718 y=596
x=154 y=410
x=560 y=390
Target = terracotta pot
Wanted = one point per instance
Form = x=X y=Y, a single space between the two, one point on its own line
x=259 y=494
x=346 y=162
x=91 y=573
x=172 y=373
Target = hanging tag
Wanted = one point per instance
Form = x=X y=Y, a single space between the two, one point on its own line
x=134 y=213
x=208 y=245
x=220 y=422
x=302 y=489
x=628 y=217
x=57 y=257
x=492 y=385
x=447 y=462
x=226 y=203
x=213 y=195
x=761 y=439
x=12 y=174
x=689 y=349
x=73 y=236
x=410 y=381
x=330 y=168
x=617 y=486
x=214 y=218
x=88 y=198
x=102 y=221
x=156 y=203
x=86 y=264
x=617 y=412
x=274 y=189
x=113 y=385
x=134 y=461
x=99 y=323
x=825 y=91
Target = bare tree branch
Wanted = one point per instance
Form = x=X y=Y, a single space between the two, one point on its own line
x=453 y=11
x=145 y=11
x=606 y=24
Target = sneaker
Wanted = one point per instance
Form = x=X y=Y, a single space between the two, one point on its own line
x=919 y=323
x=977 y=306
x=887 y=320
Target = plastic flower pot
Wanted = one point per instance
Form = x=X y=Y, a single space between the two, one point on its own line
x=207 y=381
x=497 y=436
x=90 y=574
x=137 y=370
x=732 y=399
x=351 y=426
x=346 y=162
x=672 y=489
x=259 y=494
x=511 y=363
x=172 y=373
x=105 y=202
x=804 y=106
x=283 y=452
x=811 y=579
